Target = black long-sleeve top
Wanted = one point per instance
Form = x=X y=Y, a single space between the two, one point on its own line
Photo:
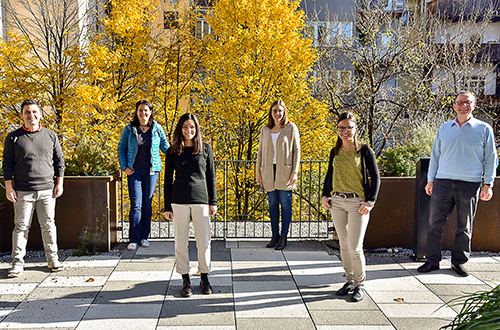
x=32 y=159
x=194 y=178
x=368 y=165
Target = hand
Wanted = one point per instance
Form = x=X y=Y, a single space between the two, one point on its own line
x=428 y=188
x=364 y=208
x=213 y=209
x=168 y=215
x=258 y=179
x=58 y=190
x=326 y=202
x=486 y=193
x=128 y=171
x=293 y=178
x=10 y=193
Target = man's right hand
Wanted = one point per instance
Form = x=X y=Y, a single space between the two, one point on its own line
x=428 y=188
x=128 y=171
x=10 y=193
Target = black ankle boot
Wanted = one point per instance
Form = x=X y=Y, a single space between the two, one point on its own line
x=206 y=288
x=273 y=241
x=281 y=243
x=186 y=286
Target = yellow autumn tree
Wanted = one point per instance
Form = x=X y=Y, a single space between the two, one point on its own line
x=257 y=53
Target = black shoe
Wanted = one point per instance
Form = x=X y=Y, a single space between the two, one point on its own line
x=273 y=241
x=281 y=243
x=358 y=294
x=427 y=267
x=186 y=286
x=206 y=288
x=348 y=287
x=460 y=269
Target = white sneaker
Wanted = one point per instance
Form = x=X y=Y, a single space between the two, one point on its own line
x=132 y=247
x=56 y=266
x=144 y=243
x=15 y=271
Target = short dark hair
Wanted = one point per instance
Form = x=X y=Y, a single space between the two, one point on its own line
x=30 y=102
x=135 y=120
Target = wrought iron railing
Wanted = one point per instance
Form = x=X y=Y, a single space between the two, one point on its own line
x=243 y=205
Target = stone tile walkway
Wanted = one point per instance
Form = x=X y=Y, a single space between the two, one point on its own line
x=254 y=288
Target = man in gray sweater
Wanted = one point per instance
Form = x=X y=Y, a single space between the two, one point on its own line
x=32 y=156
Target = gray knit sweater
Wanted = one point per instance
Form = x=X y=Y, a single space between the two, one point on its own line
x=32 y=159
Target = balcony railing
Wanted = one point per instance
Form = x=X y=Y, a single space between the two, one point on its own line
x=243 y=205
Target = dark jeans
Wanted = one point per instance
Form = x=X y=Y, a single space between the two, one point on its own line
x=447 y=194
x=141 y=186
x=277 y=197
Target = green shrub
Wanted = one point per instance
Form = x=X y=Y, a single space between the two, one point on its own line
x=89 y=161
x=401 y=160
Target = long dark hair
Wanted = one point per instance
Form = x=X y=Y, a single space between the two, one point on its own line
x=177 y=147
x=352 y=117
x=135 y=120
x=270 y=119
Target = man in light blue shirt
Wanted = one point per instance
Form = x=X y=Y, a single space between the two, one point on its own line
x=462 y=170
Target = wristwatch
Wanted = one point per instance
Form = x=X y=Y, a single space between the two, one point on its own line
x=371 y=203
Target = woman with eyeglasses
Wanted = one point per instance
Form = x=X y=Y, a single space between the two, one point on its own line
x=278 y=162
x=190 y=192
x=350 y=197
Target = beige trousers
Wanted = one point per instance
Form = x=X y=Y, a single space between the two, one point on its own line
x=200 y=214
x=350 y=226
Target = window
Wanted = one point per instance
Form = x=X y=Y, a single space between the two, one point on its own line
x=170 y=20
x=475 y=84
x=202 y=27
x=340 y=81
x=329 y=33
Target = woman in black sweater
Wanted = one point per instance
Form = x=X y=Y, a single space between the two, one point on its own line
x=350 y=197
x=193 y=193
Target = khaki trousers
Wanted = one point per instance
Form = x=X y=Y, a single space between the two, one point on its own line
x=350 y=226
x=200 y=214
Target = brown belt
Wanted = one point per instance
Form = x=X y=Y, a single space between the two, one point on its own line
x=344 y=195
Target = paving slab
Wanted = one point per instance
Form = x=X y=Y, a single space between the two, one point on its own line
x=16 y=288
x=261 y=271
x=46 y=313
x=199 y=309
x=68 y=292
x=262 y=254
x=417 y=310
x=4 y=311
x=121 y=316
x=427 y=323
x=456 y=289
x=193 y=327
x=355 y=327
x=294 y=323
x=85 y=271
x=121 y=292
x=138 y=264
x=31 y=274
x=72 y=281
x=275 y=299
x=139 y=275
x=324 y=298
x=404 y=297
x=219 y=276
x=358 y=317
x=91 y=261
x=162 y=248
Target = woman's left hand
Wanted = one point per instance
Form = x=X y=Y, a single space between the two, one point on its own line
x=213 y=209
x=364 y=208
x=293 y=178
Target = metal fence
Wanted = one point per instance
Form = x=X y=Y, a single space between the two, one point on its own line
x=243 y=210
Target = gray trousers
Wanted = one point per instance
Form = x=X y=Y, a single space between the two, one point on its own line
x=45 y=205
x=446 y=195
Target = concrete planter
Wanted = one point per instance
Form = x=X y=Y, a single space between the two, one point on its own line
x=392 y=219
x=88 y=204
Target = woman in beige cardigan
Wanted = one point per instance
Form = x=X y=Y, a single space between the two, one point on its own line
x=277 y=167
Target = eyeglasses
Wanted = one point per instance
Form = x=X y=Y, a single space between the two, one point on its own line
x=277 y=110
x=342 y=128
x=464 y=103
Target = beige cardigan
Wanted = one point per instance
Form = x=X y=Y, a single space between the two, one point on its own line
x=287 y=157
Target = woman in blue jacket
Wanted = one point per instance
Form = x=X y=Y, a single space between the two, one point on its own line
x=139 y=157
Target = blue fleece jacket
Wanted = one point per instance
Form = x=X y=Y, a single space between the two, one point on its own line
x=127 y=147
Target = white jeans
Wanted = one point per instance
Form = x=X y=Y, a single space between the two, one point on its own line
x=45 y=205
x=201 y=223
x=350 y=226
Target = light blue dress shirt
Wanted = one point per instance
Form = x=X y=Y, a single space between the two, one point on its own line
x=465 y=153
